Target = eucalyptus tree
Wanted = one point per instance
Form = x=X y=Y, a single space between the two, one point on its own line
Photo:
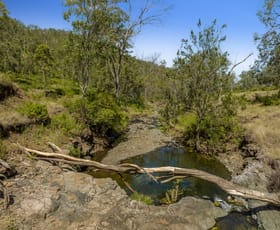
x=102 y=36
x=269 y=42
x=203 y=66
x=43 y=62
x=89 y=20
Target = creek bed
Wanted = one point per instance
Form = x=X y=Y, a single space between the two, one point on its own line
x=190 y=186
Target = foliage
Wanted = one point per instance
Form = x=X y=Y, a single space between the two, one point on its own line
x=218 y=127
x=269 y=49
x=142 y=198
x=74 y=152
x=248 y=80
x=44 y=61
x=174 y=194
x=35 y=111
x=203 y=67
x=101 y=112
x=268 y=100
x=66 y=123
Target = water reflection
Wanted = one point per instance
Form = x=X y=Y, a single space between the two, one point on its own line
x=178 y=157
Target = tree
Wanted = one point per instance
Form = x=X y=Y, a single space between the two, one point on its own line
x=203 y=66
x=90 y=20
x=44 y=62
x=11 y=33
x=3 y=11
x=121 y=38
x=248 y=80
x=269 y=42
x=102 y=34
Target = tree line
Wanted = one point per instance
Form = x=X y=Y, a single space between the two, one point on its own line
x=96 y=55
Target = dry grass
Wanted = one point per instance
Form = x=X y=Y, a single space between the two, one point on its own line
x=263 y=124
x=251 y=95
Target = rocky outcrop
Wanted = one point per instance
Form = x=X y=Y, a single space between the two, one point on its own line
x=49 y=198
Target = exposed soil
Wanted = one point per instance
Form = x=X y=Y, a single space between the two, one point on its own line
x=143 y=136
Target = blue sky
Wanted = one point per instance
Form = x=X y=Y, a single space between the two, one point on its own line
x=165 y=38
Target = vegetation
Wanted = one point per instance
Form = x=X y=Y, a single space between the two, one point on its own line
x=142 y=198
x=174 y=194
x=35 y=111
x=87 y=77
x=203 y=88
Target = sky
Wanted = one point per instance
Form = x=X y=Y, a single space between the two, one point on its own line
x=164 y=38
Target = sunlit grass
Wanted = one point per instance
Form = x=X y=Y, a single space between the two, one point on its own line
x=263 y=124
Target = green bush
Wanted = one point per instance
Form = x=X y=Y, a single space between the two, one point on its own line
x=101 y=112
x=142 y=198
x=268 y=100
x=186 y=121
x=66 y=123
x=35 y=111
x=218 y=127
x=74 y=152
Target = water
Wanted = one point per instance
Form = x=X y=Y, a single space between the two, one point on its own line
x=179 y=157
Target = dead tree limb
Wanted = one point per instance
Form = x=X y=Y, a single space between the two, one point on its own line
x=227 y=186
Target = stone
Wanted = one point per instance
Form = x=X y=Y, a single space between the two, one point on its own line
x=54 y=199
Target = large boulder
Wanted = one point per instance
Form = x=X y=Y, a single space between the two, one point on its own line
x=54 y=199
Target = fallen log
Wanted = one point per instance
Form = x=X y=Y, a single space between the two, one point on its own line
x=174 y=172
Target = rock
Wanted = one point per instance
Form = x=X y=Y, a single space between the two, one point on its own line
x=52 y=199
x=269 y=219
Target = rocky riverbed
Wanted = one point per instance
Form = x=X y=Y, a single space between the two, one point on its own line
x=47 y=196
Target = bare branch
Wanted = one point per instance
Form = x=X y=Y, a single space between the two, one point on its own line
x=238 y=63
x=229 y=187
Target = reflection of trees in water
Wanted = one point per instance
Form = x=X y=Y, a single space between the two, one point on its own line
x=169 y=156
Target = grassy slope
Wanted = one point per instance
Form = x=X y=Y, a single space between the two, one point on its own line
x=263 y=124
x=36 y=136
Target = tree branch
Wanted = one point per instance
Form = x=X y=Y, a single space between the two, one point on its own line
x=238 y=63
x=227 y=186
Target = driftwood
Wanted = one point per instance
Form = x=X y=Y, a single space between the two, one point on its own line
x=173 y=172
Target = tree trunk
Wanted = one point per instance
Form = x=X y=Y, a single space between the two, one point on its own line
x=227 y=186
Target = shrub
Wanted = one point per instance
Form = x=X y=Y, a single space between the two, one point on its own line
x=186 y=121
x=35 y=111
x=268 y=100
x=66 y=123
x=74 y=152
x=101 y=112
x=54 y=93
x=218 y=126
x=173 y=194
x=142 y=198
